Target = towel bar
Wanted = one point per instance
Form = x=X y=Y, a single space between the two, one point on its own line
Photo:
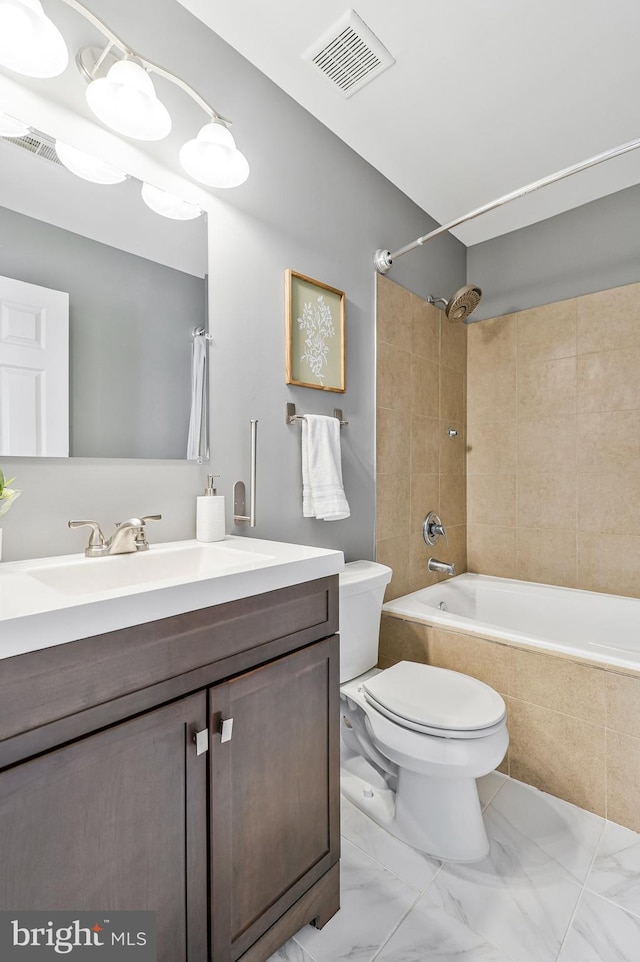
x=292 y=417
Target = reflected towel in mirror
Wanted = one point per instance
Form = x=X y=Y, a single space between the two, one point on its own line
x=196 y=446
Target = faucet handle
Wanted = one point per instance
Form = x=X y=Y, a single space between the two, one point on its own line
x=96 y=546
x=433 y=529
x=151 y=517
x=141 y=540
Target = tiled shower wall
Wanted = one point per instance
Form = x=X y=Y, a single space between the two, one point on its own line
x=553 y=427
x=421 y=393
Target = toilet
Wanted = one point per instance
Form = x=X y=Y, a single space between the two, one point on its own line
x=414 y=737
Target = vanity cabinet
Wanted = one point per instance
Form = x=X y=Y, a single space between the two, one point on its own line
x=108 y=801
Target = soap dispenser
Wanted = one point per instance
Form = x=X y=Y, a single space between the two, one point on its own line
x=210 y=513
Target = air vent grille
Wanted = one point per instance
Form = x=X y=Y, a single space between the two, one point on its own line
x=349 y=54
x=36 y=144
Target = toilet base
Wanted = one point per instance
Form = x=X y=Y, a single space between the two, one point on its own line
x=441 y=817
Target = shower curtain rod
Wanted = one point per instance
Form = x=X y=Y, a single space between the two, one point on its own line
x=384 y=259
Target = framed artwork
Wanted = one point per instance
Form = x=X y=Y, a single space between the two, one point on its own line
x=315 y=316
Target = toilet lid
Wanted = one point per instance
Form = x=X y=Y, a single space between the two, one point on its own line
x=434 y=697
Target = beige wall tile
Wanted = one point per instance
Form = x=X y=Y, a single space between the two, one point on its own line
x=547 y=556
x=609 y=563
x=392 y=518
x=486 y=660
x=452 y=450
x=547 y=332
x=491 y=369
x=609 y=380
x=425 y=446
x=424 y=380
x=492 y=550
x=396 y=553
x=393 y=443
x=425 y=327
x=547 y=388
x=609 y=319
x=623 y=703
x=421 y=577
x=608 y=442
x=453 y=344
x=452 y=394
x=425 y=497
x=559 y=683
x=394 y=313
x=393 y=388
x=547 y=445
x=453 y=499
x=623 y=780
x=492 y=447
x=557 y=753
x=456 y=551
x=547 y=501
x=402 y=641
x=609 y=503
x=491 y=499
x=393 y=487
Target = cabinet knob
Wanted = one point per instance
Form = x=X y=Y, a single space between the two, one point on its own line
x=201 y=740
x=226 y=729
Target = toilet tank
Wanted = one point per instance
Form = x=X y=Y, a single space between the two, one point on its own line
x=362 y=585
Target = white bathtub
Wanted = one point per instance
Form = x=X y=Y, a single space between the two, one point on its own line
x=585 y=624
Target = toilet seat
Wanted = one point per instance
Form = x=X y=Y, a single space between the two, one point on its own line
x=435 y=701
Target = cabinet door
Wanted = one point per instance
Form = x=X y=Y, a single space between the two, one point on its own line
x=275 y=802
x=116 y=820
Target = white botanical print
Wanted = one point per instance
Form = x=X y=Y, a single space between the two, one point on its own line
x=318 y=327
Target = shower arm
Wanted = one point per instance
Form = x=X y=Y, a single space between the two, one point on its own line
x=384 y=259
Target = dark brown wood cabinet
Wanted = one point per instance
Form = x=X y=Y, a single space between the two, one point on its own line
x=110 y=806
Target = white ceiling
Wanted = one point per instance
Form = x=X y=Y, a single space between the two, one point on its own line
x=484 y=97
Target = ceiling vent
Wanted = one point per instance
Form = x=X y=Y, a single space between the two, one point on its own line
x=349 y=54
x=35 y=143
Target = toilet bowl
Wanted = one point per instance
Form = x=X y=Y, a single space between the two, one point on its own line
x=414 y=737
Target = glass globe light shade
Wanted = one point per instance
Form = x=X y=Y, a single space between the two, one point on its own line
x=168 y=205
x=87 y=166
x=30 y=43
x=9 y=127
x=125 y=100
x=213 y=158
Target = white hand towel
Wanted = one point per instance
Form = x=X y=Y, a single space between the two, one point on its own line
x=323 y=495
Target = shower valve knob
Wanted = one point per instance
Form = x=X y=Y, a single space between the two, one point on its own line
x=433 y=529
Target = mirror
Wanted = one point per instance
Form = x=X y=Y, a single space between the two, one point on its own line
x=136 y=284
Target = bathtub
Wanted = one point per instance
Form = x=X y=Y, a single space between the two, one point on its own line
x=584 y=624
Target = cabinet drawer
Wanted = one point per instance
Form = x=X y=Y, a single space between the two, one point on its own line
x=86 y=684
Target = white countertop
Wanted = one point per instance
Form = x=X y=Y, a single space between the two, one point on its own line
x=51 y=601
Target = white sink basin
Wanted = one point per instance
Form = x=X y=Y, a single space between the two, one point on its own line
x=52 y=601
x=176 y=564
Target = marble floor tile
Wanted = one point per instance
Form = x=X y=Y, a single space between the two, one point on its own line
x=569 y=834
x=489 y=786
x=519 y=898
x=291 y=952
x=602 y=932
x=616 y=869
x=430 y=933
x=373 y=903
x=414 y=868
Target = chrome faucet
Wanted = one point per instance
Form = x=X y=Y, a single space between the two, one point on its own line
x=443 y=567
x=129 y=536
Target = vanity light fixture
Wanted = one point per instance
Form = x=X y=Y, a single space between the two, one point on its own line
x=30 y=43
x=120 y=92
x=168 y=205
x=87 y=166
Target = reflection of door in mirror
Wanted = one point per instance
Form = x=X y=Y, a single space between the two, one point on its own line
x=34 y=370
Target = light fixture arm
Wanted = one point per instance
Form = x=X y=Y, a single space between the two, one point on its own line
x=114 y=41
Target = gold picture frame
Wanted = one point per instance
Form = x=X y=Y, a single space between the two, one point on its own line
x=315 y=334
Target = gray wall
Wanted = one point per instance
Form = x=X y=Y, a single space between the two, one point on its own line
x=130 y=324
x=310 y=204
x=591 y=248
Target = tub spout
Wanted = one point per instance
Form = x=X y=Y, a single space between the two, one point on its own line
x=442 y=566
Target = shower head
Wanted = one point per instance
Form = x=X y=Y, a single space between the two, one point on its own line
x=461 y=305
